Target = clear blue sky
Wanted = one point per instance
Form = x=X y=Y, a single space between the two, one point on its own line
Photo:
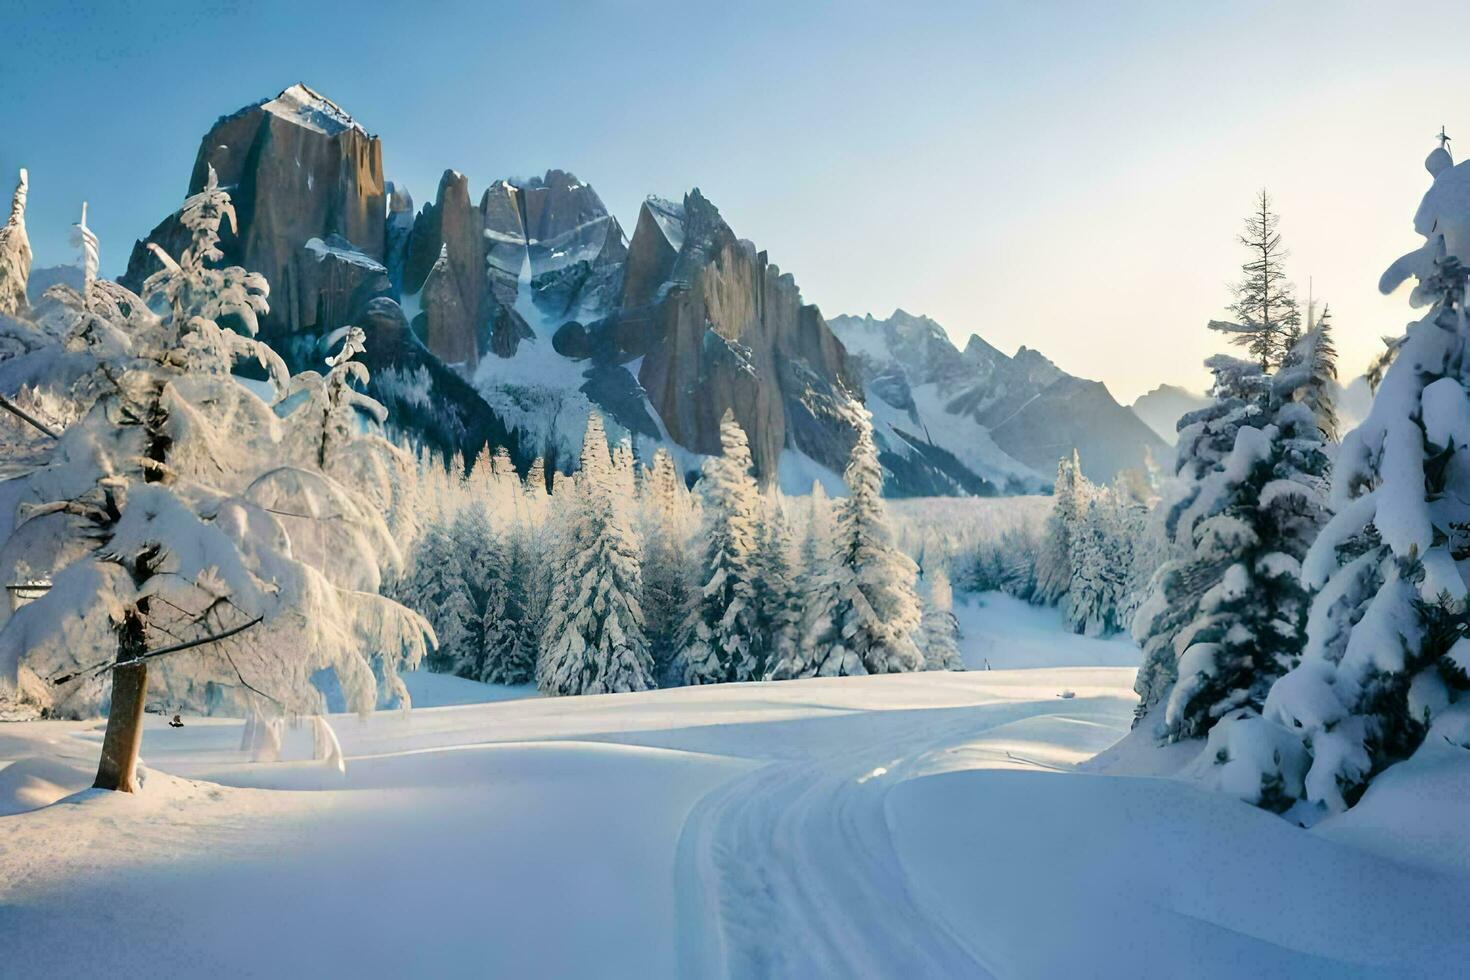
x=1062 y=175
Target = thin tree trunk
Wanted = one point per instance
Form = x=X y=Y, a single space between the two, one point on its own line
x=124 y=729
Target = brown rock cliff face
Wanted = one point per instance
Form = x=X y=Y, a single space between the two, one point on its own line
x=719 y=327
x=297 y=168
x=446 y=260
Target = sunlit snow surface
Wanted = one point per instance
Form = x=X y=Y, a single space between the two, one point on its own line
x=901 y=826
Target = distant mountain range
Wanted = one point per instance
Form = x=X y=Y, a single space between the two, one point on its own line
x=1008 y=419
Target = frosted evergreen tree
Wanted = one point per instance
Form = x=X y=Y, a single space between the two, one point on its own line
x=1201 y=551
x=1310 y=368
x=593 y=640
x=437 y=586
x=509 y=627
x=1054 y=565
x=722 y=639
x=820 y=650
x=1101 y=562
x=15 y=254
x=668 y=571
x=1249 y=521
x=777 y=598
x=160 y=522
x=877 y=613
x=1267 y=321
x=941 y=629
x=1385 y=659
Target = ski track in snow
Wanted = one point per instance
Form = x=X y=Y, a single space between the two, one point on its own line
x=792 y=871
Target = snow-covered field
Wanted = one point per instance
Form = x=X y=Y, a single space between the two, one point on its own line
x=904 y=826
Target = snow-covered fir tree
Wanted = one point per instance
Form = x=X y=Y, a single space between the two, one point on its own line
x=468 y=575
x=777 y=597
x=1386 y=660
x=941 y=629
x=593 y=641
x=819 y=651
x=1312 y=365
x=875 y=613
x=722 y=639
x=510 y=628
x=1101 y=558
x=1054 y=565
x=1206 y=438
x=438 y=587
x=1229 y=616
x=668 y=571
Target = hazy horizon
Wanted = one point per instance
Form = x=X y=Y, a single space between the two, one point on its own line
x=1068 y=178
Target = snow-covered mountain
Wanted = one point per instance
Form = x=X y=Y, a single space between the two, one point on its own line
x=508 y=320
x=1162 y=407
x=1008 y=419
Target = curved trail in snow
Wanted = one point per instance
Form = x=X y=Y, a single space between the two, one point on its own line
x=791 y=871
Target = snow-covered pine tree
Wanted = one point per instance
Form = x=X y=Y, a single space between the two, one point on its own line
x=722 y=640
x=156 y=522
x=1142 y=546
x=941 y=629
x=820 y=650
x=1386 y=660
x=1054 y=564
x=470 y=576
x=1101 y=561
x=1200 y=554
x=877 y=613
x=1267 y=321
x=777 y=599
x=509 y=626
x=593 y=640
x=1312 y=365
x=668 y=571
x=1250 y=522
x=15 y=253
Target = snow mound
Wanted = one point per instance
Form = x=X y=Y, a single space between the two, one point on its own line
x=37 y=781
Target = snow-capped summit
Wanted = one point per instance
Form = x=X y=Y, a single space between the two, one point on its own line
x=307 y=107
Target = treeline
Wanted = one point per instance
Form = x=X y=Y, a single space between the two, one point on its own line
x=1093 y=557
x=620 y=578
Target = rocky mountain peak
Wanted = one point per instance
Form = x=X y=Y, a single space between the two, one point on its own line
x=298 y=167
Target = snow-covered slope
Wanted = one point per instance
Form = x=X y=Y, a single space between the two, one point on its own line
x=1009 y=419
x=908 y=825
